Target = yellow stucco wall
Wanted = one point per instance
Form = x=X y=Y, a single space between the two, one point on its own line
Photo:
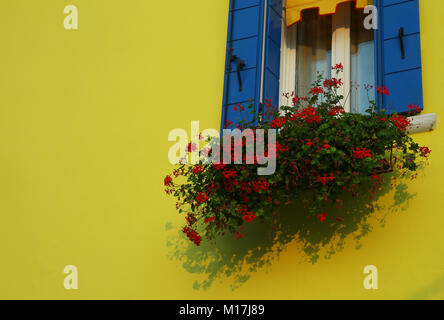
x=84 y=119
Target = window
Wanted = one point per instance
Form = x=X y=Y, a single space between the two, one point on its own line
x=265 y=58
x=317 y=42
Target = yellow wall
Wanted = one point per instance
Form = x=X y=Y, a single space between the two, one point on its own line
x=84 y=119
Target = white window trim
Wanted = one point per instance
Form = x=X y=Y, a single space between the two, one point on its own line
x=288 y=61
x=287 y=81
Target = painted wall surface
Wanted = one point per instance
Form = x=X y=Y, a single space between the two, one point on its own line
x=84 y=121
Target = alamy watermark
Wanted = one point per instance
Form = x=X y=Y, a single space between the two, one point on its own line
x=188 y=151
x=71 y=281
x=71 y=21
x=371 y=280
x=371 y=20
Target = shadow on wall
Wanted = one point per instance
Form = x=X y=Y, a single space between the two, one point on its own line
x=234 y=260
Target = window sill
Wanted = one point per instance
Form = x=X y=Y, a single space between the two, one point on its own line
x=422 y=123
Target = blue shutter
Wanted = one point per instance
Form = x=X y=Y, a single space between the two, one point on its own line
x=245 y=46
x=402 y=75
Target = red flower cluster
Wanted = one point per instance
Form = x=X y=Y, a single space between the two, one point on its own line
x=400 y=122
x=168 y=181
x=326 y=145
x=322 y=217
x=238 y=107
x=229 y=174
x=297 y=100
x=334 y=111
x=332 y=83
x=425 y=151
x=209 y=220
x=361 y=153
x=309 y=143
x=281 y=147
x=308 y=114
x=230 y=184
x=382 y=90
x=338 y=66
x=256 y=186
x=269 y=109
x=376 y=177
x=178 y=172
x=219 y=166
x=228 y=124
x=201 y=197
x=324 y=179
x=260 y=184
x=197 y=169
x=278 y=122
x=248 y=216
x=316 y=90
x=192 y=235
x=238 y=234
x=414 y=109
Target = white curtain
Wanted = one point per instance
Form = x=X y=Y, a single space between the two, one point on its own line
x=313 y=50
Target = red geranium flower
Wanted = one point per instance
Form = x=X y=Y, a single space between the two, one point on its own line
x=334 y=111
x=168 y=180
x=338 y=66
x=219 y=166
x=197 y=169
x=249 y=217
x=425 y=151
x=296 y=100
x=227 y=124
x=209 y=219
x=382 y=90
x=201 y=197
x=192 y=235
x=316 y=90
x=361 y=153
x=308 y=114
x=414 y=109
x=228 y=174
x=277 y=122
x=400 y=122
x=333 y=83
x=324 y=179
x=309 y=143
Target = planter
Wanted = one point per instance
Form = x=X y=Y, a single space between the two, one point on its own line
x=319 y=147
